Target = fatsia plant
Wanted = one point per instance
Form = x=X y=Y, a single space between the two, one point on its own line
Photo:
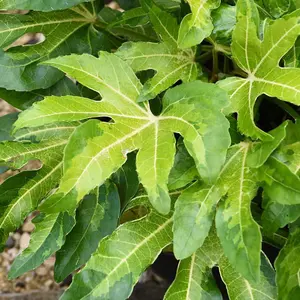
x=165 y=125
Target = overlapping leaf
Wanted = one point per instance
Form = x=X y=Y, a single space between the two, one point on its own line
x=22 y=193
x=48 y=237
x=195 y=27
x=120 y=259
x=166 y=59
x=65 y=32
x=194 y=278
x=288 y=268
x=238 y=180
x=282 y=200
x=259 y=59
x=240 y=288
x=196 y=116
x=96 y=217
x=133 y=24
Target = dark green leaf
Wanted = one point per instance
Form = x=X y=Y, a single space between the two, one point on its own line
x=288 y=268
x=96 y=217
x=48 y=237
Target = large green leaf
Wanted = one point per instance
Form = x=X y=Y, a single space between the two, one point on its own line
x=259 y=59
x=194 y=278
x=195 y=27
x=195 y=207
x=120 y=259
x=166 y=59
x=39 y=5
x=48 y=237
x=65 y=32
x=196 y=116
x=288 y=268
x=96 y=217
x=240 y=288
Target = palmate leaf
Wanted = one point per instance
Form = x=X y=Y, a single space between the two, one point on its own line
x=260 y=60
x=238 y=180
x=69 y=31
x=196 y=116
x=22 y=193
x=39 y=5
x=288 y=268
x=120 y=259
x=168 y=61
x=195 y=27
x=48 y=237
x=96 y=217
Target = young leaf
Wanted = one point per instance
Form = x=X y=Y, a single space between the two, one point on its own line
x=260 y=60
x=194 y=278
x=96 y=217
x=166 y=59
x=39 y=5
x=120 y=259
x=134 y=128
x=287 y=266
x=240 y=288
x=48 y=237
x=195 y=27
x=64 y=31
